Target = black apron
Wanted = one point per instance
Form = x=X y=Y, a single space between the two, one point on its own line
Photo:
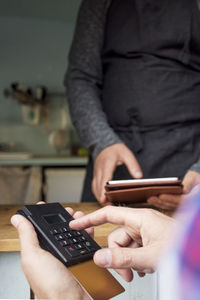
x=151 y=84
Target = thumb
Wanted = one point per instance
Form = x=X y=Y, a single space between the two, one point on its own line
x=189 y=181
x=27 y=235
x=120 y=258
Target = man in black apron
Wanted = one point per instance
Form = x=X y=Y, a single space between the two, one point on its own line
x=150 y=90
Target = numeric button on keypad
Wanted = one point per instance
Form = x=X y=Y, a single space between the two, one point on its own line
x=64 y=243
x=82 y=238
x=68 y=235
x=59 y=237
x=54 y=231
x=76 y=233
x=75 y=240
x=78 y=246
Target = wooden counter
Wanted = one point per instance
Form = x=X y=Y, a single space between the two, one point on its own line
x=9 y=241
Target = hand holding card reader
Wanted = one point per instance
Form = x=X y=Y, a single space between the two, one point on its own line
x=54 y=234
x=73 y=248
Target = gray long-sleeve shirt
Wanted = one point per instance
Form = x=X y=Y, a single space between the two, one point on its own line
x=84 y=79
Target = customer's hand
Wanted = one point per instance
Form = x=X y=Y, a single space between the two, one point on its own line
x=136 y=244
x=47 y=276
x=167 y=201
x=105 y=165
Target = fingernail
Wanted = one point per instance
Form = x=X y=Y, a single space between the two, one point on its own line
x=148 y=271
x=15 y=220
x=103 y=257
x=71 y=223
x=138 y=174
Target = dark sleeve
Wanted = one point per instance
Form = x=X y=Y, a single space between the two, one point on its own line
x=83 y=79
x=196 y=167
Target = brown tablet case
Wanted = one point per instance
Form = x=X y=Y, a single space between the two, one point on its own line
x=139 y=192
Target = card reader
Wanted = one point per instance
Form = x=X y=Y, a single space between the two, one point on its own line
x=74 y=248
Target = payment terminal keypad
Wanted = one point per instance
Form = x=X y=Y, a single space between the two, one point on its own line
x=51 y=222
x=73 y=242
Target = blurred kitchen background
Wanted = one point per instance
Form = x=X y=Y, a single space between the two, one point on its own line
x=39 y=147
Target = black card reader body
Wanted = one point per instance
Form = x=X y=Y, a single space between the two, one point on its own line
x=51 y=222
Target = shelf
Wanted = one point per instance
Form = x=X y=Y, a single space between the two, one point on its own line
x=46 y=161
